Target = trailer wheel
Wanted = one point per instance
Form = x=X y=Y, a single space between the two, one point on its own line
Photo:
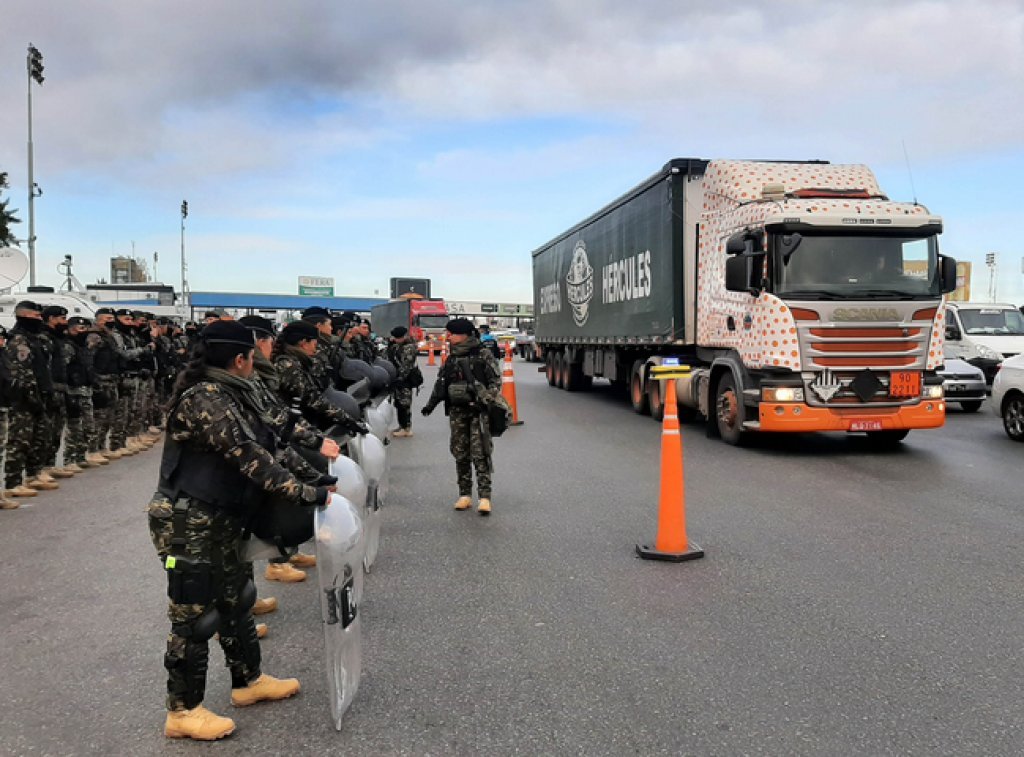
x=655 y=400
x=637 y=396
x=729 y=411
x=560 y=360
x=551 y=368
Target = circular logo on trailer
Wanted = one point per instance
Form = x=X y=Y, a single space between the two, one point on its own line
x=580 y=283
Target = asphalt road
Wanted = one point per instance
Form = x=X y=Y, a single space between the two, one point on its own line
x=851 y=602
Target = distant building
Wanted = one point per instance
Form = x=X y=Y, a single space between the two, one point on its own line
x=125 y=270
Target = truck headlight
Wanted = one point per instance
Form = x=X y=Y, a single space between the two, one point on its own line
x=782 y=394
x=988 y=353
x=932 y=392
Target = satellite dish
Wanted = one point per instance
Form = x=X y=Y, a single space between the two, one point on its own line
x=13 y=266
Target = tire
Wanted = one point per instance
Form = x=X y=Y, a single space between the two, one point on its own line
x=637 y=391
x=655 y=401
x=888 y=439
x=575 y=379
x=1013 y=416
x=560 y=370
x=970 y=406
x=551 y=368
x=729 y=411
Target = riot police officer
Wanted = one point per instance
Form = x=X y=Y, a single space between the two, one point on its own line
x=402 y=353
x=465 y=384
x=217 y=461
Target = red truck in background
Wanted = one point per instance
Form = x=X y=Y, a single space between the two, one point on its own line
x=424 y=318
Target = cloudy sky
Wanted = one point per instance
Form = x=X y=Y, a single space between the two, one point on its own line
x=365 y=140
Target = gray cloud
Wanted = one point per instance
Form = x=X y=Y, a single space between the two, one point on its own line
x=226 y=80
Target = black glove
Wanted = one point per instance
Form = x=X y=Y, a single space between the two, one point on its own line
x=326 y=480
x=322 y=493
x=358 y=427
x=427 y=410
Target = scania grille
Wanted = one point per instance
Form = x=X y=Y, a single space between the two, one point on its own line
x=881 y=349
x=845 y=393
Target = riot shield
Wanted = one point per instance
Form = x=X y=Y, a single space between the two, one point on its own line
x=339 y=554
x=387 y=407
x=377 y=422
x=352 y=483
x=369 y=453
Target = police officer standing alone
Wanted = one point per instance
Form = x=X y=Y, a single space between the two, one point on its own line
x=217 y=462
x=465 y=383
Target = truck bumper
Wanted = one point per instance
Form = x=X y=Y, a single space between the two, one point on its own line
x=798 y=417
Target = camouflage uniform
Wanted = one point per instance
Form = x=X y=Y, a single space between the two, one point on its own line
x=298 y=385
x=81 y=421
x=210 y=587
x=403 y=354
x=30 y=387
x=126 y=420
x=56 y=415
x=105 y=398
x=471 y=443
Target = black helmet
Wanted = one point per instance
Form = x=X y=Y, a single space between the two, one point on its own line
x=388 y=366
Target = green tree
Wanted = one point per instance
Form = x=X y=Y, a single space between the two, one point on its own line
x=7 y=217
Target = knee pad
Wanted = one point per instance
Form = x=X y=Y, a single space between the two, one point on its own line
x=199 y=630
x=246 y=597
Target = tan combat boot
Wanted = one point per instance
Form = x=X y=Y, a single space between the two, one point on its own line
x=97 y=458
x=46 y=476
x=263 y=605
x=300 y=560
x=40 y=485
x=263 y=689
x=198 y=723
x=283 y=572
x=73 y=468
x=484 y=508
x=261 y=630
x=463 y=503
x=85 y=463
x=20 y=491
x=8 y=504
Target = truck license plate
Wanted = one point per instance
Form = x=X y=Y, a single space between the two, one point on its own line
x=865 y=426
x=905 y=384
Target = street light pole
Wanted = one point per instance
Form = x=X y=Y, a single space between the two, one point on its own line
x=34 y=65
x=184 y=281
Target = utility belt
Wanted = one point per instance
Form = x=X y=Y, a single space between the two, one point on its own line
x=191 y=579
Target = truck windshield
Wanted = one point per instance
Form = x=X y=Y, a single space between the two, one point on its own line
x=993 y=321
x=856 y=266
x=431 y=321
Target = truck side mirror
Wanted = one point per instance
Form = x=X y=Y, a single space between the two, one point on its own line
x=736 y=244
x=953 y=334
x=947 y=269
x=743 y=241
x=743 y=273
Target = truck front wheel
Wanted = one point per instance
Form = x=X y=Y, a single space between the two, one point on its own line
x=551 y=368
x=729 y=411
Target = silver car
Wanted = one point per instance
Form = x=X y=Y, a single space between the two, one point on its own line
x=963 y=383
x=1008 y=396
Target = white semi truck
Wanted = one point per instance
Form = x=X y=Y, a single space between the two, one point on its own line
x=800 y=295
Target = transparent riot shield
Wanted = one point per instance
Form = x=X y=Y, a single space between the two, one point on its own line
x=339 y=554
x=352 y=481
x=378 y=423
x=369 y=453
x=387 y=407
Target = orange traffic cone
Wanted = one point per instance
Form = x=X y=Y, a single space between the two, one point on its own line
x=508 y=385
x=671 y=543
x=430 y=353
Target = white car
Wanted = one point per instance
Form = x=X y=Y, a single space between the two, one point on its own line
x=1008 y=396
